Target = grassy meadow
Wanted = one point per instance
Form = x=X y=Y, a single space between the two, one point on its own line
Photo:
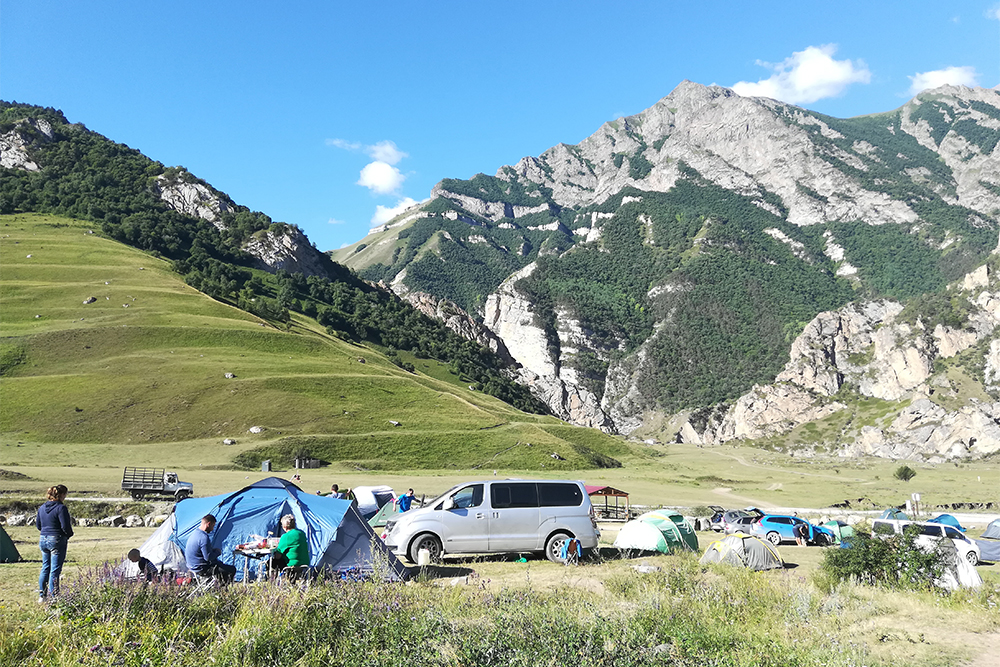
x=86 y=389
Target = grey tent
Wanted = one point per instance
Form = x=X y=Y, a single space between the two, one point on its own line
x=747 y=551
x=8 y=552
x=992 y=531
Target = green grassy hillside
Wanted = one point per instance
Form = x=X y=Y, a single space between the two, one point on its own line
x=146 y=363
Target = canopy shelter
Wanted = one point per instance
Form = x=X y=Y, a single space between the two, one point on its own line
x=947 y=520
x=841 y=530
x=339 y=539
x=747 y=551
x=992 y=531
x=658 y=531
x=606 y=510
x=8 y=552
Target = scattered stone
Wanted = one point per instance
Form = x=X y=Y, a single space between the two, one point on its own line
x=84 y=522
x=394 y=423
x=256 y=429
x=134 y=521
x=91 y=299
x=361 y=360
x=17 y=520
x=229 y=441
x=645 y=569
x=230 y=376
x=154 y=519
x=116 y=521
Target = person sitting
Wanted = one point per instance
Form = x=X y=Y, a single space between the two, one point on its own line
x=202 y=559
x=146 y=570
x=293 y=547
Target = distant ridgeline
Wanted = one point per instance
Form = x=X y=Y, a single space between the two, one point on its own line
x=669 y=260
x=221 y=248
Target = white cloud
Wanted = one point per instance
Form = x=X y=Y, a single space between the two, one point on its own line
x=334 y=221
x=386 y=151
x=807 y=76
x=344 y=144
x=993 y=12
x=384 y=214
x=956 y=76
x=381 y=177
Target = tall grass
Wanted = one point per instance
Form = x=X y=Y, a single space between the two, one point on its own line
x=684 y=615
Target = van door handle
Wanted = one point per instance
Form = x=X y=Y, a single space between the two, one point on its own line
x=480 y=515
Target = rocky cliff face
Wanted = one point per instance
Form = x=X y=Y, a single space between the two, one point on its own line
x=192 y=198
x=937 y=380
x=929 y=169
x=16 y=144
x=288 y=249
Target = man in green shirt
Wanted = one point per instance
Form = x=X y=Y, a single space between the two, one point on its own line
x=293 y=545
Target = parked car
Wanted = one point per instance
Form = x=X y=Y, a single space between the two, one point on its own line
x=497 y=517
x=738 y=520
x=931 y=533
x=715 y=521
x=778 y=528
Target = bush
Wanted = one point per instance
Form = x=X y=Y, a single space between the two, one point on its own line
x=896 y=562
x=905 y=473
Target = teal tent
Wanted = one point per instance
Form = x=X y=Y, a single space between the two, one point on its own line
x=8 y=552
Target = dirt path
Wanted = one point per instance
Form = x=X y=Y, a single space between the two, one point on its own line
x=742 y=461
x=990 y=647
x=723 y=491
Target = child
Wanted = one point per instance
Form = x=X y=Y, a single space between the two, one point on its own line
x=147 y=571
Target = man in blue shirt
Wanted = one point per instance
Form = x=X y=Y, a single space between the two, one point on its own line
x=405 y=502
x=200 y=556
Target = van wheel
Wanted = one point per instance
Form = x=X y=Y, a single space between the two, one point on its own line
x=972 y=558
x=774 y=538
x=553 y=548
x=427 y=541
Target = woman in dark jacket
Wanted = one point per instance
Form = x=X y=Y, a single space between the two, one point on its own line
x=56 y=527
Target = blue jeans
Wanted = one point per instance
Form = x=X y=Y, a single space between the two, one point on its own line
x=53 y=549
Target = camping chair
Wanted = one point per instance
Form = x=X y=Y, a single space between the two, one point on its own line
x=571 y=552
x=203 y=583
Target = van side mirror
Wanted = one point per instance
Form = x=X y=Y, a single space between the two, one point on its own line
x=449 y=503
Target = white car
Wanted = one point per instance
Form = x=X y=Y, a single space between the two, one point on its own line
x=934 y=532
x=497 y=516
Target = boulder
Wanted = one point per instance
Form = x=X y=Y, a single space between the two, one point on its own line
x=84 y=522
x=154 y=520
x=134 y=521
x=229 y=441
x=256 y=429
x=17 y=520
x=116 y=521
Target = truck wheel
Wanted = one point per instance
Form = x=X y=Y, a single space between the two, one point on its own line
x=774 y=538
x=428 y=541
x=181 y=495
x=554 y=545
x=136 y=495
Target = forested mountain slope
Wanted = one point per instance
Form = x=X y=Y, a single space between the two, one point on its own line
x=266 y=268
x=105 y=347
x=669 y=260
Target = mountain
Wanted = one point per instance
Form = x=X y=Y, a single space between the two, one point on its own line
x=669 y=261
x=241 y=257
x=104 y=349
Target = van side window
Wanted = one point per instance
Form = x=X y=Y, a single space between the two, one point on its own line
x=559 y=495
x=514 y=494
x=880 y=528
x=953 y=534
x=931 y=530
x=469 y=496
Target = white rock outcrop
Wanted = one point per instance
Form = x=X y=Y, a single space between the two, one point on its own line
x=289 y=250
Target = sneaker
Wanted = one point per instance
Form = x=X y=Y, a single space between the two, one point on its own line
x=41 y=599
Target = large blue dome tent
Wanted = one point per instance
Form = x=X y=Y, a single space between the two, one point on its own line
x=339 y=539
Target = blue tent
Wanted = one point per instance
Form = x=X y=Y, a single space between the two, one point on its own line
x=339 y=539
x=947 y=520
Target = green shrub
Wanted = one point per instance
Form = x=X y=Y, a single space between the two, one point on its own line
x=904 y=473
x=895 y=562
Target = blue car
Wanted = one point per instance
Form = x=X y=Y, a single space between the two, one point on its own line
x=777 y=528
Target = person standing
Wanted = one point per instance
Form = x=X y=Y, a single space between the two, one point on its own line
x=56 y=527
x=405 y=501
x=801 y=534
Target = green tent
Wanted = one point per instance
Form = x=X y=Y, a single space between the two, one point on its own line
x=8 y=552
x=380 y=518
x=747 y=551
x=840 y=530
x=656 y=531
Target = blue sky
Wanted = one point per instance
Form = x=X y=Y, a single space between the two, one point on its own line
x=319 y=113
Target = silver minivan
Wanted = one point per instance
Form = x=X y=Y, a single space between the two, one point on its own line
x=497 y=516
